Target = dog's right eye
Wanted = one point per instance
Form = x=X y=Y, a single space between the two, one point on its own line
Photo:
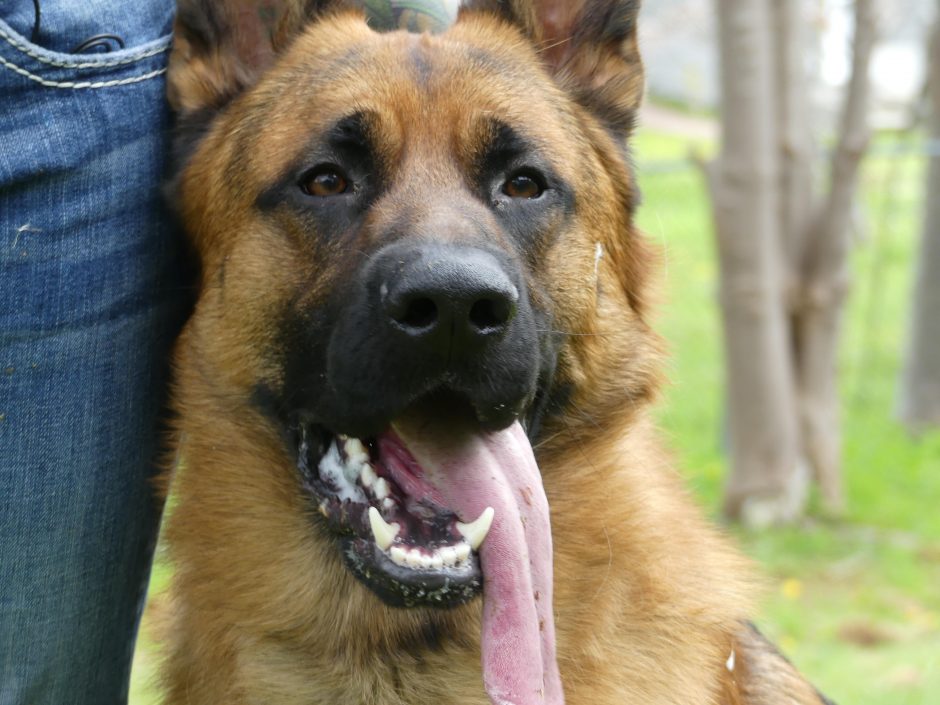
x=524 y=185
x=324 y=181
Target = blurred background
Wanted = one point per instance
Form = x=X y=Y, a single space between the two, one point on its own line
x=789 y=159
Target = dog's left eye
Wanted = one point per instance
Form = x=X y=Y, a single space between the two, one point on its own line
x=523 y=185
x=324 y=181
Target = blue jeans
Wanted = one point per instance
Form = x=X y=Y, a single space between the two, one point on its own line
x=92 y=293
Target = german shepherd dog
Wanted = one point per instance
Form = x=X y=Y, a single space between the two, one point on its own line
x=418 y=465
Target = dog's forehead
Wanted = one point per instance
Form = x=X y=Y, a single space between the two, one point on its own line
x=421 y=87
x=463 y=59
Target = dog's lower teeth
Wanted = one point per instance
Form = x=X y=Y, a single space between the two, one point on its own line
x=448 y=556
x=444 y=557
x=398 y=555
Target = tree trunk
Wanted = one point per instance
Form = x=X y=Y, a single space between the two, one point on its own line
x=825 y=277
x=919 y=402
x=796 y=147
x=764 y=485
x=783 y=257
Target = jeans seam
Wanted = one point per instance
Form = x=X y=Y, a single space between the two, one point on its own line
x=80 y=84
x=13 y=42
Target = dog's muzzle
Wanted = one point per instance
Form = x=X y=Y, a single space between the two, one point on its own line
x=429 y=317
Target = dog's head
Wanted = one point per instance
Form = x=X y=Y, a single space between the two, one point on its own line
x=418 y=259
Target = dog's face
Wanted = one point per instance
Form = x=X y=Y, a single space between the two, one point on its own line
x=418 y=259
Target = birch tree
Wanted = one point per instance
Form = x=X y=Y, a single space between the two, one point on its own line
x=783 y=257
x=919 y=402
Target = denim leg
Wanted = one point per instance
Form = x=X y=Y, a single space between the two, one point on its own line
x=92 y=293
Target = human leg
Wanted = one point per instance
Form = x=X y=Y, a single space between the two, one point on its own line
x=90 y=300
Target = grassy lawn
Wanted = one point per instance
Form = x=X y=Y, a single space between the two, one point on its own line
x=855 y=603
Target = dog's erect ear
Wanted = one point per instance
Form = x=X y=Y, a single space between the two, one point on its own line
x=589 y=45
x=220 y=47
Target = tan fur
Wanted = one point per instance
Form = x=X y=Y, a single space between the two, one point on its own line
x=649 y=599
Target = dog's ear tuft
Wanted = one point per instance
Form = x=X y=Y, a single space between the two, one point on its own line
x=218 y=49
x=221 y=47
x=590 y=46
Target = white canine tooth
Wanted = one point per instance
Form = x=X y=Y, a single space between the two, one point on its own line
x=436 y=561
x=477 y=530
x=367 y=475
x=414 y=558
x=463 y=552
x=383 y=532
x=380 y=487
x=448 y=555
x=399 y=555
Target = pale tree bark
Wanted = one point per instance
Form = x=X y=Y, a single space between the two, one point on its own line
x=783 y=258
x=919 y=399
x=825 y=276
x=764 y=484
x=796 y=143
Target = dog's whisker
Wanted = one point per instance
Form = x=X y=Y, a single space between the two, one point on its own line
x=610 y=563
x=572 y=334
x=546 y=47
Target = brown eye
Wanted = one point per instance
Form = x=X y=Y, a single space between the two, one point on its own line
x=324 y=181
x=522 y=186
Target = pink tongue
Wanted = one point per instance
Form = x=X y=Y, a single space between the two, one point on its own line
x=473 y=471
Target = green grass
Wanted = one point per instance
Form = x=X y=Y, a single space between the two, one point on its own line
x=144 y=690
x=854 y=603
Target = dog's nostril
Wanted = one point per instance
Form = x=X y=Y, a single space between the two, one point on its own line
x=419 y=314
x=444 y=300
x=490 y=315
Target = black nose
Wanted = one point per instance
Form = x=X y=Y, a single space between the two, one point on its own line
x=448 y=299
x=420 y=318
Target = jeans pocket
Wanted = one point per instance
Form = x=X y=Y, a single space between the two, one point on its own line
x=21 y=59
x=83 y=139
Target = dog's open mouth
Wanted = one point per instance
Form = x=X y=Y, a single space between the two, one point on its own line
x=432 y=511
x=398 y=536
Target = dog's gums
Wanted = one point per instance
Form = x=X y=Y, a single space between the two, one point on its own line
x=398 y=537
